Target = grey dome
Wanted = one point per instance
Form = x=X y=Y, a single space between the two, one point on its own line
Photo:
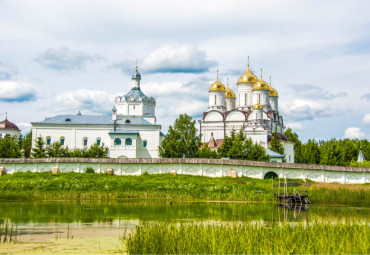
x=136 y=75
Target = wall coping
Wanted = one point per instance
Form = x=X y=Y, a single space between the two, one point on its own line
x=184 y=161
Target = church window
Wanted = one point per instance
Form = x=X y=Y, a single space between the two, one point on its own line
x=62 y=140
x=85 y=141
x=48 y=141
x=127 y=121
x=215 y=100
x=128 y=141
x=145 y=143
x=68 y=120
x=98 y=141
x=117 y=141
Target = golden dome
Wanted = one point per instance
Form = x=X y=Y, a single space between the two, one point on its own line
x=261 y=84
x=217 y=85
x=247 y=76
x=272 y=92
x=229 y=92
x=258 y=106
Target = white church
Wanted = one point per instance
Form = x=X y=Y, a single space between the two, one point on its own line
x=130 y=132
x=255 y=111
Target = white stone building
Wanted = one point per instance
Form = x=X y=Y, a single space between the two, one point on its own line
x=8 y=128
x=256 y=113
x=130 y=132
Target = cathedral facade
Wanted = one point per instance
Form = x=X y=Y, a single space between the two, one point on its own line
x=255 y=111
x=130 y=132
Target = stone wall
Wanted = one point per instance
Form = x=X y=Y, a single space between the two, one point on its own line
x=203 y=167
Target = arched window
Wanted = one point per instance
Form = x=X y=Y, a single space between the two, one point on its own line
x=85 y=141
x=117 y=141
x=98 y=141
x=48 y=140
x=128 y=141
x=145 y=143
x=62 y=140
x=127 y=121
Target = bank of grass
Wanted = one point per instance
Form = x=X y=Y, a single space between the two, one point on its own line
x=317 y=238
x=165 y=186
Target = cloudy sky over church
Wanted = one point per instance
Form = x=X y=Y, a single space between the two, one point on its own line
x=59 y=57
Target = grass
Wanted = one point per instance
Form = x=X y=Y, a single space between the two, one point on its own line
x=8 y=232
x=164 y=186
x=317 y=238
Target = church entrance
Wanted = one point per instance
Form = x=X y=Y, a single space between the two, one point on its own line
x=270 y=175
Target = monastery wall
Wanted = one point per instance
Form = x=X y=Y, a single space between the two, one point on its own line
x=202 y=167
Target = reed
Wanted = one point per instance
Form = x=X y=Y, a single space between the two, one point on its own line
x=8 y=232
x=316 y=238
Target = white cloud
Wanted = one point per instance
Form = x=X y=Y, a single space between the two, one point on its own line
x=88 y=101
x=366 y=119
x=304 y=110
x=64 y=59
x=354 y=133
x=13 y=91
x=294 y=125
x=310 y=91
x=24 y=126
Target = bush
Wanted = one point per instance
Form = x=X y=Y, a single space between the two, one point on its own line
x=89 y=170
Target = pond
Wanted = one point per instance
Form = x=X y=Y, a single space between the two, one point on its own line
x=96 y=226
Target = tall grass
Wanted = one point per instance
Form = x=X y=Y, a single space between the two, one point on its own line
x=165 y=186
x=8 y=232
x=317 y=238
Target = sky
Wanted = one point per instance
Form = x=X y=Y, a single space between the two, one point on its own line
x=59 y=57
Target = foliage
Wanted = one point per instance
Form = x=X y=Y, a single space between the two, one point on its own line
x=360 y=164
x=100 y=186
x=89 y=170
x=293 y=137
x=181 y=140
x=206 y=152
x=56 y=150
x=96 y=151
x=237 y=146
x=39 y=150
x=9 y=147
x=316 y=238
x=276 y=145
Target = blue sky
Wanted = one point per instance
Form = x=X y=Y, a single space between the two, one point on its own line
x=60 y=57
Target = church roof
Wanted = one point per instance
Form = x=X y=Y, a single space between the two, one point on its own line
x=7 y=125
x=282 y=137
x=135 y=93
x=273 y=154
x=79 y=119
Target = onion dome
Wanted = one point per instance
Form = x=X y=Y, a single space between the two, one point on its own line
x=261 y=84
x=272 y=92
x=136 y=74
x=7 y=125
x=229 y=92
x=257 y=106
x=217 y=85
x=247 y=76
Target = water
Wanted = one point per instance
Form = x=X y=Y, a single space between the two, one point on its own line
x=96 y=223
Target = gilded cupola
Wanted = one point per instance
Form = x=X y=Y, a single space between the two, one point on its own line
x=257 y=106
x=247 y=76
x=272 y=92
x=217 y=85
x=261 y=84
x=229 y=92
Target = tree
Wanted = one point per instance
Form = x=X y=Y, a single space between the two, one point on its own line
x=27 y=145
x=9 y=147
x=310 y=152
x=293 y=137
x=206 y=152
x=39 y=150
x=256 y=152
x=276 y=145
x=56 y=150
x=181 y=140
x=96 y=151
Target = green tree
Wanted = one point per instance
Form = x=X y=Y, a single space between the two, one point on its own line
x=276 y=145
x=56 y=150
x=310 y=152
x=206 y=152
x=39 y=150
x=223 y=150
x=9 y=147
x=96 y=151
x=27 y=145
x=256 y=152
x=181 y=140
x=293 y=137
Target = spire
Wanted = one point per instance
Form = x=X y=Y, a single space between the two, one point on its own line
x=136 y=64
x=228 y=83
x=248 y=62
x=261 y=74
x=217 y=74
x=270 y=82
x=6 y=115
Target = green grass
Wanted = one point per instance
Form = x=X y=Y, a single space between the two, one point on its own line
x=163 y=186
x=318 y=238
x=8 y=232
